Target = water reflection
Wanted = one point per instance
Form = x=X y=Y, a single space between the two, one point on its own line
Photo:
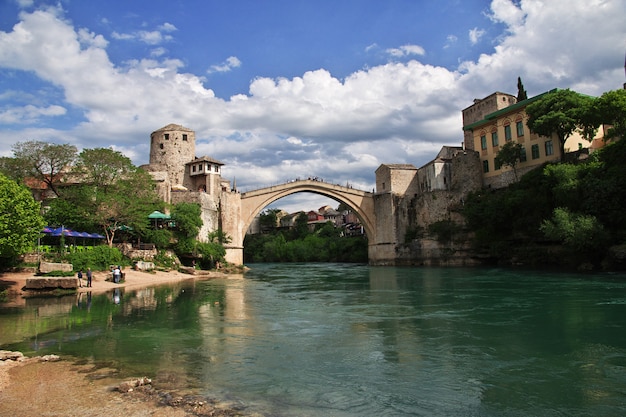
x=351 y=340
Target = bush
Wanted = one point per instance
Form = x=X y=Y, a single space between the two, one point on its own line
x=163 y=259
x=99 y=258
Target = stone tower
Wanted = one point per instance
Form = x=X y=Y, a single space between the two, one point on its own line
x=171 y=147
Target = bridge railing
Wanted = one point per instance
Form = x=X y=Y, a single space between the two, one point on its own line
x=299 y=179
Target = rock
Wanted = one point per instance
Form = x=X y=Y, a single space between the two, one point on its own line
x=129 y=386
x=49 y=358
x=66 y=283
x=45 y=267
x=8 y=355
x=144 y=266
x=187 y=270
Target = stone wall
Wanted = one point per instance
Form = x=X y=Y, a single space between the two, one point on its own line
x=209 y=210
x=403 y=218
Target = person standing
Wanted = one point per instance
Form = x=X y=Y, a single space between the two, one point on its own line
x=116 y=274
x=88 y=277
x=80 y=278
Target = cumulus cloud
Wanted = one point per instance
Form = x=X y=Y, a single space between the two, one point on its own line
x=312 y=124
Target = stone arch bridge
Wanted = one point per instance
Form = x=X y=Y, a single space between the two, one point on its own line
x=253 y=202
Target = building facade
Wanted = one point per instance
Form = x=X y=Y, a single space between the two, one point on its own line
x=489 y=123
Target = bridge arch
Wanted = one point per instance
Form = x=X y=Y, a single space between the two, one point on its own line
x=362 y=202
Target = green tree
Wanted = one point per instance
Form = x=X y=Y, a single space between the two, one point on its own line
x=579 y=231
x=509 y=155
x=20 y=221
x=560 y=112
x=103 y=167
x=301 y=226
x=610 y=109
x=218 y=236
x=521 y=93
x=210 y=253
x=113 y=194
x=45 y=161
x=187 y=219
x=268 y=219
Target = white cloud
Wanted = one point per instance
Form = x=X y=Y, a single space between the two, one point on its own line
x=25 y=3
x=149 y=37
x=168 y=27
x=450 y=40
x=313 y=124
x=29 y=114
x=226 y=66
x=406 y=50
x=371 y=47
x=475 y=35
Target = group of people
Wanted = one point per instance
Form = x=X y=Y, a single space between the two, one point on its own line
x=80 y=277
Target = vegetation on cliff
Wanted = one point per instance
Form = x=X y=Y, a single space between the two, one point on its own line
x=567 y=214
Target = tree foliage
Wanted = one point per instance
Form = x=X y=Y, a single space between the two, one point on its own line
x=112 y=195
x=20 y=221
x=577 y=205
x=44 y=161
x=610 y=109
x=325 y=244
x=268 y=219
x=579 y=231
x=521 y=92
x=103 y=167
x=510 y=155
x=187 y=219
x=560 y=112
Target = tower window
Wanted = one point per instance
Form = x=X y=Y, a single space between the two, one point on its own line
x=185 y=137
x=166 y=136
x=160 y=146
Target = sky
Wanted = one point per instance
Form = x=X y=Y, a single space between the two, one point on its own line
x=285 y=89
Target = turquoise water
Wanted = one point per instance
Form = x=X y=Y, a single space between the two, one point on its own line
x=351 y=340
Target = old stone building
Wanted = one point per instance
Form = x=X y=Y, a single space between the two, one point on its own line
x=181 y=176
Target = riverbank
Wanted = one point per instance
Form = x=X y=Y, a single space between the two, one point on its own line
x=75 y=387
x=54 y=386
x=14 y=282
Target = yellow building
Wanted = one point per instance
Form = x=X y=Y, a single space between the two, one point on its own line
x=497 y=119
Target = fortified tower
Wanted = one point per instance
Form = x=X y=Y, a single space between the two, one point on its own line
x=182 y=177
x=171 y=147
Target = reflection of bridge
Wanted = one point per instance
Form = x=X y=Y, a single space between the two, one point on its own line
x=362 y=202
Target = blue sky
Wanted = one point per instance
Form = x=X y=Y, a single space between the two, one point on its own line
x=284 y=89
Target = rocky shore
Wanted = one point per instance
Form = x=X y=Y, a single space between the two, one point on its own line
x=66 y=386
x=53 y=386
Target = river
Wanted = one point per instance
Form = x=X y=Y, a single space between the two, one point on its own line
x=352 y=340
